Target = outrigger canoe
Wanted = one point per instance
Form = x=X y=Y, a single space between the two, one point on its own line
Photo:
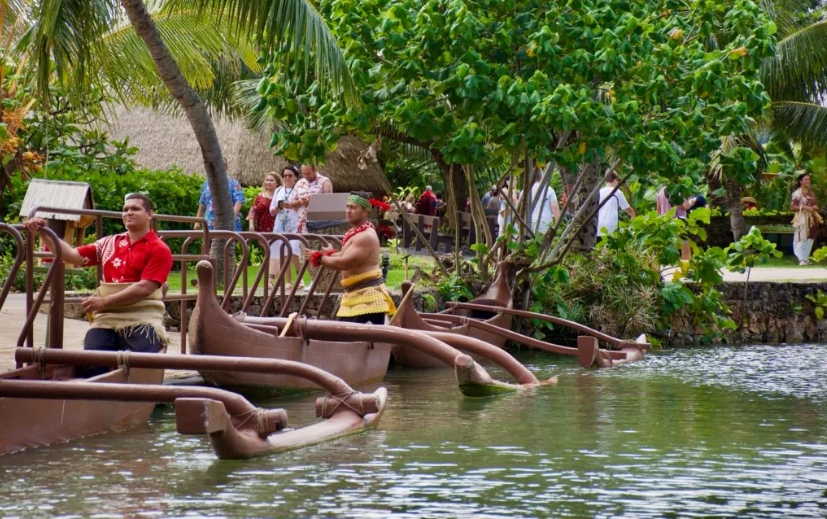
x=51 y=411
x=498 y=295
x=488 y=318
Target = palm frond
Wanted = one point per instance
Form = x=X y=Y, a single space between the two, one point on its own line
x=802 y=121
x=798 y=71
x=294 y=25
x=65 y=34
x=245 y=97
x=206 y=50
x=786 y=14
x=15 y=20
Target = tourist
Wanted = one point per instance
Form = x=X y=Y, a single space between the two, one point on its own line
x=441 y=206
x=607 y=217
x=259 y=216
x=546 y=209
x=205 y=208
x=427 y=202
x=127 y=311
x=284 y=207
x=748 y=203
x=805 y=206
x=492 y=206
x=487 y=196
x=311 y=183
x=505 y=214
x=410 y=204
x=365 y=300
x=662 y=204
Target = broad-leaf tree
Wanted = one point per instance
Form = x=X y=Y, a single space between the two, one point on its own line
x=642 y=86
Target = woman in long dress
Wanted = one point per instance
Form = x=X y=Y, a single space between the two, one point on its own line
x=805 y=206
x=284 y=207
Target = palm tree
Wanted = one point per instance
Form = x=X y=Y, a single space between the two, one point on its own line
x=68 y=38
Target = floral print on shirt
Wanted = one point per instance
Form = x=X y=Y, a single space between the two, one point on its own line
x=206 y=200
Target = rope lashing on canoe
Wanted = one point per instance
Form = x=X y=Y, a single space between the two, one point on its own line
x=39 y=358
x=341 y=399
x=268 y=421
x=123 y=361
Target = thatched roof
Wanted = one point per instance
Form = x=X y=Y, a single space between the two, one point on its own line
x=166 y=140
x=62 y=194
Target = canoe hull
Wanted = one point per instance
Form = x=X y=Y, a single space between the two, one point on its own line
x=353 y=362
x=497 y=295
x=27 y=423
x=214 y=332
x=414 y=359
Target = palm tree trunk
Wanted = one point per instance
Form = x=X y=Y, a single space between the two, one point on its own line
x=197 y=115
x=736 y=210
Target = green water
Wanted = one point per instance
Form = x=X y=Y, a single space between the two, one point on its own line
x=718 y=432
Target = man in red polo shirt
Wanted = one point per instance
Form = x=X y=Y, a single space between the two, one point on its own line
x=127 y=311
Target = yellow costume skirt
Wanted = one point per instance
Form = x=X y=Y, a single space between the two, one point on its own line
x=365 y=294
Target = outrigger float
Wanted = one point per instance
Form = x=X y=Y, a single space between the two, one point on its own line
x=68 y=409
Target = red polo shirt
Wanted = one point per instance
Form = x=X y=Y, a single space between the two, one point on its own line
x=125 y=262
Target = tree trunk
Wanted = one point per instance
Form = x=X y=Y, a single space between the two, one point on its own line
x=457 y=181
x=715 y=199
x=736 y=210
x=197 y=115
x=586 y=238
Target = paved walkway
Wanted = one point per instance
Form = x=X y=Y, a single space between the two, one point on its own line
x=780 y=274
x=13 y=315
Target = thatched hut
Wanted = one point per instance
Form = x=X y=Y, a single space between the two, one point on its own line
x=166 y=140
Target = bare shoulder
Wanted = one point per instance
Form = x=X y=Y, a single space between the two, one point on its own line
x=366 y=239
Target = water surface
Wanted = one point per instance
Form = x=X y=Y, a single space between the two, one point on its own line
x=720 y=432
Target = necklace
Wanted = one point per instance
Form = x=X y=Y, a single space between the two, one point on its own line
x=353 y=232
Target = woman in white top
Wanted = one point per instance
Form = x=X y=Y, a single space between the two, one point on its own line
x=283 y=208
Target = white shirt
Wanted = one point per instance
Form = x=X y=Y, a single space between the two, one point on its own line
x=607 y=217
x=542 y=209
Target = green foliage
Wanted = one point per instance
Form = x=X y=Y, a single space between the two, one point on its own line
x=819 y=301
x=455 y=289
x=752 y=249
x=619 y=288
x=471 y=81
x=107 y=166
x=428 y=303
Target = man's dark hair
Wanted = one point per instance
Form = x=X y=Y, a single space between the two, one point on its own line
x=363 y=194
x=611 y=177
x=145 y=200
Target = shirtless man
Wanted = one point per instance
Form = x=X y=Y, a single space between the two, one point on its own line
x=127 y=311
x=366 y=300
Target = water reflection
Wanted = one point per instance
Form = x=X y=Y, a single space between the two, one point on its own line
x=724 y=432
